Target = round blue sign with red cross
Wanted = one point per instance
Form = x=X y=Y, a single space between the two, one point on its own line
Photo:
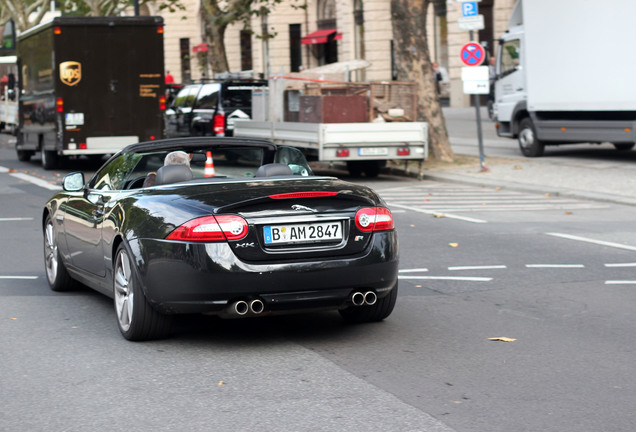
x=472 y=54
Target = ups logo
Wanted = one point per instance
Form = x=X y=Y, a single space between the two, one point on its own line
x=70 y=72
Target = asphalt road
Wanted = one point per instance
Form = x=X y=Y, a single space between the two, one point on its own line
x=555 y=276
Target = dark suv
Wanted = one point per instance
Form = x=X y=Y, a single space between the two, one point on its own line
x=210 y=108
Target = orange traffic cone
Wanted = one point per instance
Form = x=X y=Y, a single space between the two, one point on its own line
x=209 y=165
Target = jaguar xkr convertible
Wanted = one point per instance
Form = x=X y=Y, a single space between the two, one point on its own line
x=236 y=228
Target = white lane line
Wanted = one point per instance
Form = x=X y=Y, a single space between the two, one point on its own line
x=36 y=181
x=16 y=219
x=413 y=270
x=478 y=267
x=588 y=240
x=469 y=279
x=3 y=170
x=620 y=282
x=432 y=212
x=621 y=265
x=555 y=266
x=18 y=277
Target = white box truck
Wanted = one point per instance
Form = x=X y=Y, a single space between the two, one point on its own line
x=566 y=73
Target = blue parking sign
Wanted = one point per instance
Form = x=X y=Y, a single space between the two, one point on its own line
x=469 y=9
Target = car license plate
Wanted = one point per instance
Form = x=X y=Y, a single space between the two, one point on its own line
x=373 y=151
x=75 y=119
x=302 y=233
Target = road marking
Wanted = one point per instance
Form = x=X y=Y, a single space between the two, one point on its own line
x=413 y=270
x=588 y=240
x=555 y=266
x=36 y=181
x=478 y=267
x=620 y=282
x=16 y=219
x=621 y=265
x=434 y=212
x=3 y=170
x=470 y=279
x=18 y=277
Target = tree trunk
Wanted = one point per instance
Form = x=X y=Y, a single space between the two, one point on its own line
x=214 y=34
x=413 y=63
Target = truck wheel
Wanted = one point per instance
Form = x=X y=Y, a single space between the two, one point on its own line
x=355 y=168
x=372 y=168
x=528 y=143
x=24 y=155
x=624 y=147
x=49 y=159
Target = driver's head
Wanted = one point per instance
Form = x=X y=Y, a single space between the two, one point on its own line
x=177 y=158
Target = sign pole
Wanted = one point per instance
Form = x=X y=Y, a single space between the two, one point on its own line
x=480 y=140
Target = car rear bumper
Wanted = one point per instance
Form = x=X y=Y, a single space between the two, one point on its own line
x=181 y=277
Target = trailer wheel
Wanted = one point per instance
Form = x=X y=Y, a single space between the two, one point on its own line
x=528 y=142
x=623 y=147
x=355 y=168
x=49 y=159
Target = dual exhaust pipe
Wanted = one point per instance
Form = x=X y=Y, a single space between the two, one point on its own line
x=242 y=307
x=368 y=298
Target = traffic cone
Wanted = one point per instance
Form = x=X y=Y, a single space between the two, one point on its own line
x=209 y=165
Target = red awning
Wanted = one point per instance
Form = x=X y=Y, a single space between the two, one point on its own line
x=202 y=47
x=320 y=37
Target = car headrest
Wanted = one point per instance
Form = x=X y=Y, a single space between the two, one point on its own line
x=173 y=174
x=273 y=169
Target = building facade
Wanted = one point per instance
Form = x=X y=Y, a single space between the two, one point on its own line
x=328 y=31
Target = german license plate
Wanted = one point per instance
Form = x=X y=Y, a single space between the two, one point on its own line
x=302 y=233
x=373 y=151
x=75 y=119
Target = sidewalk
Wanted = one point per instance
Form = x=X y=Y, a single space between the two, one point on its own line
x=595 y=172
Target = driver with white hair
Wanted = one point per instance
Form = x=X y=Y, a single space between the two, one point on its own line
x=173 y=158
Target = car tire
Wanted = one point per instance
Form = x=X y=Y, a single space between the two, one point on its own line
x=528 y=142
x=56 y=273
x=371 y=313
x=136 y=318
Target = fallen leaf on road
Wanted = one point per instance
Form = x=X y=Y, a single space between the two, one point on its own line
x=439 y=215
x=568 y=212
x=412 y=226
x=498 y=188
x=518 y=167
x=502 y=339
x=548 y=195
x=220 y=383
x=453 y=244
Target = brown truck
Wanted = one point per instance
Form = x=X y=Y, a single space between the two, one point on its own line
x=89 y=86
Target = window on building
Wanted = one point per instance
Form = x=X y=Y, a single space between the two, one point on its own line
x=184 y=54
x=327 y=52
x=246 y=50
x=295 y=51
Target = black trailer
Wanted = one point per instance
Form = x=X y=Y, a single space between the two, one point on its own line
x=89 y=86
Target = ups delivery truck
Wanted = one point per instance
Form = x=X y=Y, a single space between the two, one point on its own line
x=89 y=86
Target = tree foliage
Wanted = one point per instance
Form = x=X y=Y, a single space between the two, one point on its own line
x=219 y=14
x=25 y=13
x=413 y=63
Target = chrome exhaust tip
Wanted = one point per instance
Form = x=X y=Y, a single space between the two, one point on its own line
x=357 y=298
x=257 y=306
x=240 y=308
x=370 y=298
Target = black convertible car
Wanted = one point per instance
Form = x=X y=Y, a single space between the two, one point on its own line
x=246 y=229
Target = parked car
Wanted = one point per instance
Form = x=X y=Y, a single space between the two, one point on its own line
x=210 y=108
x=246 y=230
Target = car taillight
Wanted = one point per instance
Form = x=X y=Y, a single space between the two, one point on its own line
x=59 y=105
x=211 y=229
x=218 y=124
x=162 y=103
x=371 y=219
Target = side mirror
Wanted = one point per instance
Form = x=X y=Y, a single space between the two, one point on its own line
x=73 y=182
